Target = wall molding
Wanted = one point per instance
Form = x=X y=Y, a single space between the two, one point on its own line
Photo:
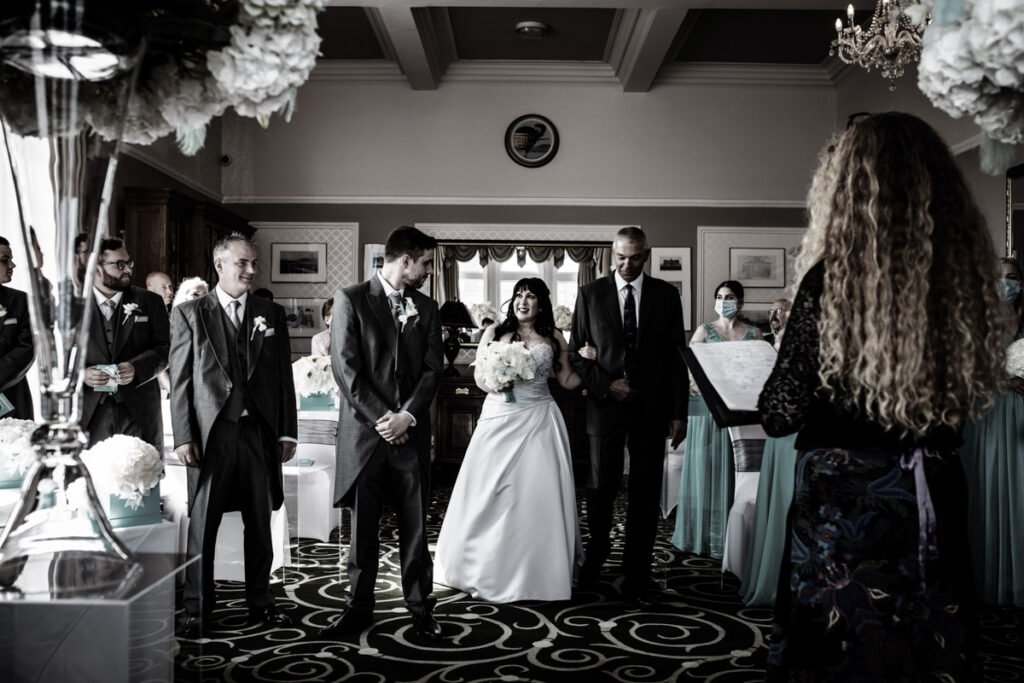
x=731 y=75
x=518 y=201
x=140 y=154
x=546 y=232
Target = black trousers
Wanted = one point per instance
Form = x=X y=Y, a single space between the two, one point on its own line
x=400 y=475
x=110 y=418
x=646 y=444
x=238 y=480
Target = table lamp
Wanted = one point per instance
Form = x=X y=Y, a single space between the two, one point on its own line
x=454 y=315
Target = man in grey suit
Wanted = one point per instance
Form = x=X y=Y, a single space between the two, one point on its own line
x=16 y=350
x=234 y=420
x=126 y=350
x=386 y=355
x=637 y=394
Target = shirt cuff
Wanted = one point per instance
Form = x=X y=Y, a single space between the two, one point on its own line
x=413 y=417
x=287 y=439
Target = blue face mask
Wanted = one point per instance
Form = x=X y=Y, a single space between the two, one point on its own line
x=726 y=308
x=1009 y=289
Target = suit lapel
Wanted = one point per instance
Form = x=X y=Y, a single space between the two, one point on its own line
x=123 y=324
x=381 y=308
x=647 y=304
x=213 y=324
x=97 y=337
x=611 y=302
x=254 y=336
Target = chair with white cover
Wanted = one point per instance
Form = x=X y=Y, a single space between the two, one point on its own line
x=671 y=473
x=309 y=478
x=748 y=449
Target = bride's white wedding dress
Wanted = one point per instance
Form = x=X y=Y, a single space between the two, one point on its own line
x=510 y=532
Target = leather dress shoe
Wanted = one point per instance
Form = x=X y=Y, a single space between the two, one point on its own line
x=192 y=627
x=425 y=626
x=350 y=623
x=268 y=616
x=644 y=597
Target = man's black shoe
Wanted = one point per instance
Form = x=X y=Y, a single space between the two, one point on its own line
x=268 y=616
x=350 y=623
x=425 y=627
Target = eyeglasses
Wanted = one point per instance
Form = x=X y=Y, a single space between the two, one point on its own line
x=121 y=265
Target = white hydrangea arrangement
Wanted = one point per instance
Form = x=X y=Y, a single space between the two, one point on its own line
x=484 y=310
x=271 y=51
x=499 y=365
x=313 y=375
x=16 y=452
x=972 y=65
x=1015 y=359
x=563 y=317
x=124 y=466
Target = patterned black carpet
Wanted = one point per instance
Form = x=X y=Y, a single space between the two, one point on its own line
x=699 y=631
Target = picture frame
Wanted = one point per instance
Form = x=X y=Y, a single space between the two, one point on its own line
x=302 y=316
x=373 y=259
x=531 y=140
x=758 y=267
x=673 y=265
x=298 y=262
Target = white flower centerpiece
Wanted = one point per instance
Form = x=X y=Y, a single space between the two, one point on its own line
x=484 y=310
x=16 y=452
x=499 y=365
x=126 y=472
x=972 y=65
x=563 y=318
x=314 y=382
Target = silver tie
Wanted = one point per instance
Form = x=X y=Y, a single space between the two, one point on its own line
x=108 y=308
x=233 y=308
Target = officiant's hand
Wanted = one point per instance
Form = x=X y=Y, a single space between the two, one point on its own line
x=188 y=453
x=676 y=432
x=393 y=426
x=620 y=389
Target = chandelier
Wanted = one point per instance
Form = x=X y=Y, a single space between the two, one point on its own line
x=889 y=43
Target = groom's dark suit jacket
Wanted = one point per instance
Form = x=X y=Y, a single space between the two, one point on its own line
x=142 y=339
x=375 y=376
x=16 y=352
x=659 y=376
x=201 y=379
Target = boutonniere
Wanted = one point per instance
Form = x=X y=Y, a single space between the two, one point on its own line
x=3 y=312
x=129 y=309
x=259 y=324
x=408 y=312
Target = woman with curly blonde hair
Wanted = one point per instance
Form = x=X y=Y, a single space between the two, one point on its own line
x=894 y=341
x=190 y=288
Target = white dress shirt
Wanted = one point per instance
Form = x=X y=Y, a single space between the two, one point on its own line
x=101 y=298
x=638 y=285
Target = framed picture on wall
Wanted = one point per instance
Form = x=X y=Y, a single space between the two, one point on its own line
x=298 y=262
x=303 y=316
x=672 y=264
x=758 y=267
x=373 y=259
x=756 y=313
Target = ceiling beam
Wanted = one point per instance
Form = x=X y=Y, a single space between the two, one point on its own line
x=642 y=42
x=419 y=39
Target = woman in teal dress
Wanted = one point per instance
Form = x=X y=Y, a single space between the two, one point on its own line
x=706 y=482
x=993 y=459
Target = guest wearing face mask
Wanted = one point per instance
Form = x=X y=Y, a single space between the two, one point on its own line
x=706 y=483
x=993 y=460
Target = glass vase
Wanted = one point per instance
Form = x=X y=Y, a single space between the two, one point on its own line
x=65 y=66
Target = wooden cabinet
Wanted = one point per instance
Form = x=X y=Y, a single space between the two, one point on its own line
x=165 y=230
x=459 y=401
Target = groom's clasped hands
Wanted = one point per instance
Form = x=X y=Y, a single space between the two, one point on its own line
x=394 y=427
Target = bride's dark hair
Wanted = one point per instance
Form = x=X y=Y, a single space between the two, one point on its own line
x=545 y=322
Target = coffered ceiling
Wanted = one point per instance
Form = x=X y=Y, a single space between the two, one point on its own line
x=637 y=42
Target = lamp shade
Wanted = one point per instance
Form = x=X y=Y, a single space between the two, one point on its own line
x=455 y=314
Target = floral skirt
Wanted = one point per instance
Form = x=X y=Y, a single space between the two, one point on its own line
x=877 y=584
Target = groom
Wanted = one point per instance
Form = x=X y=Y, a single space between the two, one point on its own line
x=636 y=395
x=386 y=355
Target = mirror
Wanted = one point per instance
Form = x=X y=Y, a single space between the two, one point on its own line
x=1015 y=210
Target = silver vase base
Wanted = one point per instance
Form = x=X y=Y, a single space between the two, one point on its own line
x=67 y=575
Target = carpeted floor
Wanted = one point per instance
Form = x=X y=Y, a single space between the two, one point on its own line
x=699 y=631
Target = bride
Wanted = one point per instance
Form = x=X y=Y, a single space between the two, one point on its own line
x=511 y=532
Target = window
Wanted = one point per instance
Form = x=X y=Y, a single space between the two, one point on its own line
x=494 y=284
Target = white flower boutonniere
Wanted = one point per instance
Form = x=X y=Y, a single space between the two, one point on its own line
x=408 y=312
x=3 y=312
x=129 y=309
x=259 y=324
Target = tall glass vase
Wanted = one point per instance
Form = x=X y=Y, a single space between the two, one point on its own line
x=64 y=65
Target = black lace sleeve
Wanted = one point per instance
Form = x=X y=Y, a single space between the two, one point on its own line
x=788 y=392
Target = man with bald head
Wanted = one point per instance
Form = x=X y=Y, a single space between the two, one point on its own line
x=778 y=316
x=161 y=285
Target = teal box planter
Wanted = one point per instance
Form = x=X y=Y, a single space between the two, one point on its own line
x=316 y=402
x=120 y=515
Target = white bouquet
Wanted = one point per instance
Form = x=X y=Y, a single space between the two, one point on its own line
x=1015 y=359
x=500 y=365
x=563 y=317
x=124 y=466
x=313 y=375
x=484 y=310
x=16 y=452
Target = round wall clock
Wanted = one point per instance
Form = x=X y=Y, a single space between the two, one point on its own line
x=531 y=140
